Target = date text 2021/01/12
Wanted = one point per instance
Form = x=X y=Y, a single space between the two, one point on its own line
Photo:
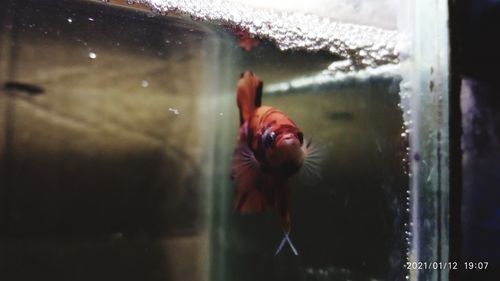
x=446 y=265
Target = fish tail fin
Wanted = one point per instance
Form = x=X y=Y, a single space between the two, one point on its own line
x=249 y=201
x=249 y=94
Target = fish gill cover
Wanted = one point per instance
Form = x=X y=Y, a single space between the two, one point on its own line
x=363 y=47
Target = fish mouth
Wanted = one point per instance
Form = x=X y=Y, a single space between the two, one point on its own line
x=291 y=142
x=288 y=153
x=288 y=140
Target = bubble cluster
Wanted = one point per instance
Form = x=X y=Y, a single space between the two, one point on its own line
x=361 y=46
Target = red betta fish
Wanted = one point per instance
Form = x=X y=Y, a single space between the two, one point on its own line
x=270 y=150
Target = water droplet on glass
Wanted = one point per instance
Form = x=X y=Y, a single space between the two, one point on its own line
x=92 y=55
x=144 y=83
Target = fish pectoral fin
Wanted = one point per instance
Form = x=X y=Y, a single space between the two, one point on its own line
x=285 y=239
x=250 y=196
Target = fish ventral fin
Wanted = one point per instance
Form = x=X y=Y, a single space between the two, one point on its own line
x=285 y=239
x=258 y=94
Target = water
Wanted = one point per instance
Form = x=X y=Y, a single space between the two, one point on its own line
x=120 y=168
x=346 y=222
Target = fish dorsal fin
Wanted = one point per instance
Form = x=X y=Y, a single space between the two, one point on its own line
x=258 y=94
x=249 y=94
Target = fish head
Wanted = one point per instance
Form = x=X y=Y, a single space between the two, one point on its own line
x=283 y=150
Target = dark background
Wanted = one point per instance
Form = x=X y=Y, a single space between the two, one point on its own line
x=475 y=135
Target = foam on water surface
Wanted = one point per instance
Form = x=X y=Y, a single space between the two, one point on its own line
x=361 y=46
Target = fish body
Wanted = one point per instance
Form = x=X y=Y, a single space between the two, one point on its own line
x=270 y=150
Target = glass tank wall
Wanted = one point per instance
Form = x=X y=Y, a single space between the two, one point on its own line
x=118 y=127
x=104 y=149
x=425 y=96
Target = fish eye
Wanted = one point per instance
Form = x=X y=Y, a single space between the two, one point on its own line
x=272 y=135
x=270 y=139
x=300 y=136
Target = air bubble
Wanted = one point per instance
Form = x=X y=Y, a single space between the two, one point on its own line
x=92 y=55
x=174 y=110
